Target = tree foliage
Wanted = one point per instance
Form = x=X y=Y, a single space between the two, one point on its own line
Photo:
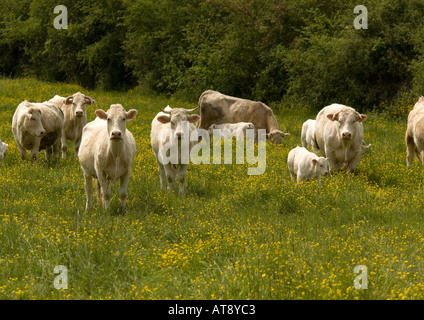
x=305 y=52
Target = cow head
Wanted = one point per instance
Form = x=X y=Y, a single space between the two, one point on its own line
x=276 y=136
x=116 y=118
x=321 y=166
x=79 y=102
x=33 y=123
x=348 y=120
x=177 y=117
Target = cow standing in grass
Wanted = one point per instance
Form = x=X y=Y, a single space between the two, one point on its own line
x=107 y=152
x=75 y=118
x=37 y=126
x=172 y=128
x=215 y=107
x=414 y=136
x=305 y=165
x=339 y=135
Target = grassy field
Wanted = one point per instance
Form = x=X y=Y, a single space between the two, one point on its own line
x=232 y=236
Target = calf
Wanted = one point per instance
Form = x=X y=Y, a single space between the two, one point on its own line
x=308 y=135
x=227 y=130
x=339 y=135
x=305 y=165
x=75 y=118
x=171 y=127
x=3 y=149
x=37 y=126
x=107 y=152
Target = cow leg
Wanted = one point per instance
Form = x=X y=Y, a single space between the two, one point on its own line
x=352 y=164
x=56 y=149
x=105 y=189
x=88 y=190
x=34 y=151
x=22 y=151
x=410 y=150
x=49 y=151
x=64 y=145
x=162 y=174
x=77 y=146
x=181 y=177
x=170 y=176
x=123 y=189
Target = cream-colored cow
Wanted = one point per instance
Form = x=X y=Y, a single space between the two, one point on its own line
x=107 y=152
x=75 y=118
x=173 y=128
x=339 y=135
x=37 y=126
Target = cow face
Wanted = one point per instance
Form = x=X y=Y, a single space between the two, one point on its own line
x=178 y=118
x=79 y=102
x=116 y=118
x=33 y=122
x=321 y=166
x=348 y=120
x=276 y=136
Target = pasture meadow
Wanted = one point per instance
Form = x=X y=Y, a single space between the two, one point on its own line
x=232 y=236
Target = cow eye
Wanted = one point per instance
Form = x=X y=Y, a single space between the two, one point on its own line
x=123 y=119
x=108 y=119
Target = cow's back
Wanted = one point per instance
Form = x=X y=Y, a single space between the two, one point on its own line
x=94 y=139
x=217 y=108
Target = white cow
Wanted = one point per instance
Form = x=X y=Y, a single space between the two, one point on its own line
x=37 y=126
x=414 y=136
x=170 y=128
x=75 y=118
x=227 y=130
x=339 y=135
x=308 y=135
x=3 y=149
x=107 y=152
x=305 y=165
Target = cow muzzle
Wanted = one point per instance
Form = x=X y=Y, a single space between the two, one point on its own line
x=79 y=113
x=347 y=135
x=116 y=135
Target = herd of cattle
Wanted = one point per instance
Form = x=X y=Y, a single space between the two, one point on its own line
x=106 y=149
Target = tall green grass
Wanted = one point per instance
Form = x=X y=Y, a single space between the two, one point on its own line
x=232 y=236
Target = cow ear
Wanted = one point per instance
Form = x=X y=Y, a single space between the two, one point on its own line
x=163 y=119
x=362 y=117
x=89 y=100
x=69 y=100
x=333 y=117
x=101 y=114
x=193 y=118
x=131 y=114
x=314 y=162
